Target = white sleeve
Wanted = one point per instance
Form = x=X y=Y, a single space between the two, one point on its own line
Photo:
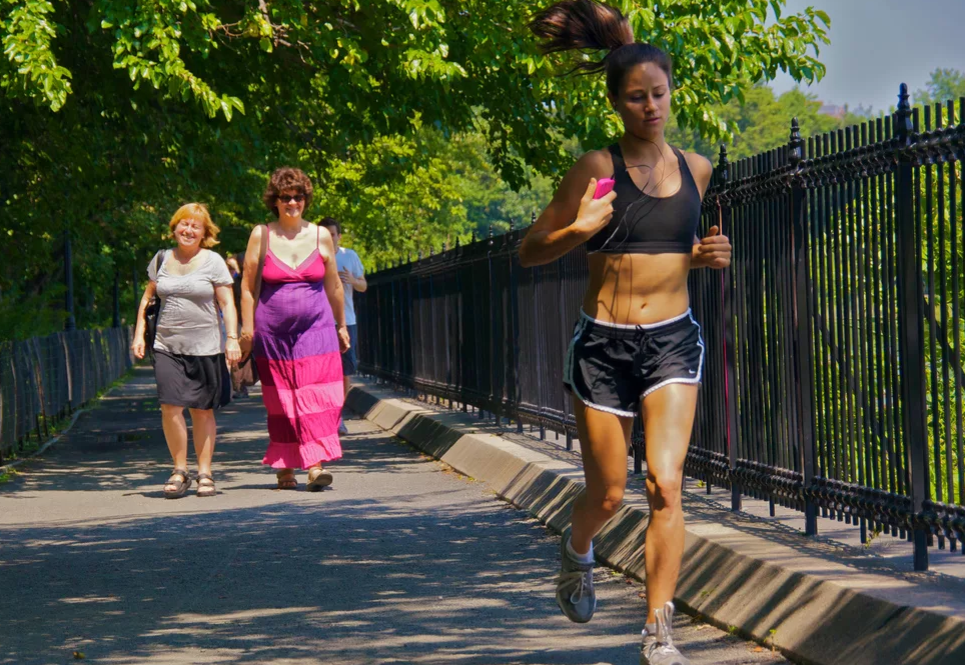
x=221 y=275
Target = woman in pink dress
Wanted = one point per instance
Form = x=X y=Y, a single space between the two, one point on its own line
x=298 y=334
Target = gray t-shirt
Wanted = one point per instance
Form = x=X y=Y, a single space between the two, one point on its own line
x=189 y=323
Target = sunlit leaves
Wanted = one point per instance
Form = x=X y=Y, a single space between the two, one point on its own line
x=28 y=31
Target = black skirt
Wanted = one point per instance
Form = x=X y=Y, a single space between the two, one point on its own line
x=195 y=382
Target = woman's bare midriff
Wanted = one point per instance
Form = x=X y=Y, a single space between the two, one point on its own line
x=637 y=289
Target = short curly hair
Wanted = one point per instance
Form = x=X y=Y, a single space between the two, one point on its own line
x=287 y=178
x=197 y=211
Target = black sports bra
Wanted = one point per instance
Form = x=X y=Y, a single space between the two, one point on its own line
x=643 y=224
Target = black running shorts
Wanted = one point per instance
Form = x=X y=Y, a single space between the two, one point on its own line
x=612 y=367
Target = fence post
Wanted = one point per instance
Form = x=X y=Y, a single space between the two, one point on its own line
x=117 y=299
x=803 y=348
x=514 y=319
x=726 y=293
x=134 y=286
x=69 y=322
x=493 y=327
x=910 y=330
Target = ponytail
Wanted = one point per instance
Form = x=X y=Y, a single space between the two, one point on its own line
x=581 y=25
x=573 y=25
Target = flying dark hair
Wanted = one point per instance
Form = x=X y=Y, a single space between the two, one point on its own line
x=581 y=25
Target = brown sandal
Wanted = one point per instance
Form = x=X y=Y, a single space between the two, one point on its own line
x=286 y=480
x=180 y=486
x=206 y=485
x=317 y=479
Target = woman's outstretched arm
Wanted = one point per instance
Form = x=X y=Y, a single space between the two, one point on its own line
x=573 y=216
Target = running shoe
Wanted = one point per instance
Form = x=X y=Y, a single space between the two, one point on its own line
x=658 y=648
x=574 y=586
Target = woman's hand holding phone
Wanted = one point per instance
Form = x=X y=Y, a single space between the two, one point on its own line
x=595 y=212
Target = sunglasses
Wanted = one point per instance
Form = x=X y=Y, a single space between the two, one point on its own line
x=297 y=198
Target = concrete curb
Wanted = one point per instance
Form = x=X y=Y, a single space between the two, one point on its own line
x=817 y=612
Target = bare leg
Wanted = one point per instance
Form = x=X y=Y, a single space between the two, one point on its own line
x=205 y=429
x=668 y=418
x=604 y=439
x=176 y=436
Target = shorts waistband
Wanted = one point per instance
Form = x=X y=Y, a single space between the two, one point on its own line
x=630 y=331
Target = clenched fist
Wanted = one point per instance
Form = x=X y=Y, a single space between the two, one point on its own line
x=713 y=251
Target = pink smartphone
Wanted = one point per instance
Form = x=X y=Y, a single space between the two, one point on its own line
x=603 y=187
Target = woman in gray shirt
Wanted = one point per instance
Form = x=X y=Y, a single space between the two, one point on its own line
x=189 y=355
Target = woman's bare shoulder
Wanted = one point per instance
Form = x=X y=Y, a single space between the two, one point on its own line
x=596 y=163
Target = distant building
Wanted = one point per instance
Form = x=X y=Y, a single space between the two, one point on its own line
x=833 y=110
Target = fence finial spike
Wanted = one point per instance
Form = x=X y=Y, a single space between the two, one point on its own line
x=458 y=244
x=796 y=144
x=474 y=235
x=903 y=115
x=723 y=165
x=532 y=219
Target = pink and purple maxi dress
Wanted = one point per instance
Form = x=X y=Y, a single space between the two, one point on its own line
x=296 y=350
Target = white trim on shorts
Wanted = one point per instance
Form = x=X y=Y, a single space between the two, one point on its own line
x=568 y=375
x=636 y=326
x=700 y=364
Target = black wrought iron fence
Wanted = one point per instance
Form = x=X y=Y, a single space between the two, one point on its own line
x=46 y=378
x=833 y=381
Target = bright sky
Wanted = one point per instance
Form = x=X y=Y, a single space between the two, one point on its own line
x=878 y=44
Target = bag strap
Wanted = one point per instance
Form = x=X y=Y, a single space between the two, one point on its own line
x=158 y=260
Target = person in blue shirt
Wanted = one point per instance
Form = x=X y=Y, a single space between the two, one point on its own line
x=352 y=273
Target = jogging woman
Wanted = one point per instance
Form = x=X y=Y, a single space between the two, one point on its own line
x=636 y=346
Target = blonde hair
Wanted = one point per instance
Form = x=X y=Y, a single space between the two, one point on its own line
x=200 y=211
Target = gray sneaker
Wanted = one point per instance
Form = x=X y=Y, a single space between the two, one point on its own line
x=574 y=587
x=658 y=649
x=342 y=428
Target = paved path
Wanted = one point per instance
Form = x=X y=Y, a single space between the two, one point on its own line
x=402 y=561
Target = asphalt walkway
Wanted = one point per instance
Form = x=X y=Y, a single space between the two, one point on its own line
x=400 y=561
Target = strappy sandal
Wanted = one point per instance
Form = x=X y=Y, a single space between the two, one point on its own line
x=180 y=486
x=286 y=480
x=206 y=485
x=317 y=479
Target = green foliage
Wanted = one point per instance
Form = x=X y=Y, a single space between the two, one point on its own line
x=398 y=196
x=943 y=85
x=763 y=122
x=31 y=70
x=419 y=120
